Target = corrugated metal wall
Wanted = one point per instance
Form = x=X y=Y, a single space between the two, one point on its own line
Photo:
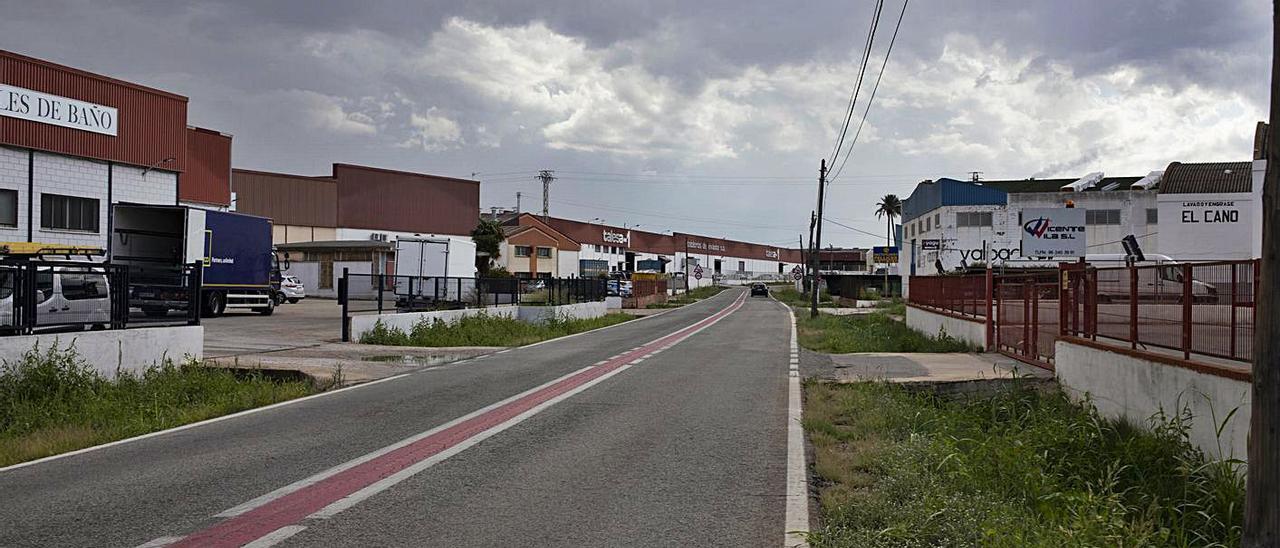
x=382 y=199
x=287 y=199
x=208 y=176
x=152 y=123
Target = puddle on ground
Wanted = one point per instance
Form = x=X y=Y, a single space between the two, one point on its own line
x=413 y=361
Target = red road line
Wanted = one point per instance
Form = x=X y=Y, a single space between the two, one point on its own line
x=296 y=506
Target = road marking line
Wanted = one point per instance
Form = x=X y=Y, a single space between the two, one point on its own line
x=275 y=537
x=196 y=424
x=343 y=486
x=796 y=522
x=299 y=400
x=160 y=542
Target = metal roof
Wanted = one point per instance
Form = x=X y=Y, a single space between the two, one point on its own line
x=932 y=195
x=1212 y=177
x=334 y=244
x=1055 y=185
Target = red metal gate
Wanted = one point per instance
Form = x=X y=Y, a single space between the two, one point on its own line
x=1028 y=315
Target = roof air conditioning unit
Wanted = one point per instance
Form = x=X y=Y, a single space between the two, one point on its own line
x=378 y=236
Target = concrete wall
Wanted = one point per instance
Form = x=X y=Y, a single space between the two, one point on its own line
x=308 y=272
x=406 y=320
x=107 y=351
x=972 y=332
x=1122 y=385
x=578 y=311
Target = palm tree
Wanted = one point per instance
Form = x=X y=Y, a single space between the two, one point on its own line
x=889 y=207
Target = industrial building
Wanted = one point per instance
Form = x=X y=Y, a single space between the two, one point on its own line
x=351 y=217
x=1187 y=212
x=72 y=143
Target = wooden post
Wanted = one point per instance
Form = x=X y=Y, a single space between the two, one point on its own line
x=1262 y=499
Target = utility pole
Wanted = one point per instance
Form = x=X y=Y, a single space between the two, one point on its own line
x=813 y=296
x=517 y=203
x=804 y=260
x=546 y=176
x=808 y=265
x=1262 y=487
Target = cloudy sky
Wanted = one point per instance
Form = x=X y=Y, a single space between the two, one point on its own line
x=707 y=116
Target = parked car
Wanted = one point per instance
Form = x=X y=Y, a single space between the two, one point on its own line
x=63 y=296
x=291 y=290
x=759 y=289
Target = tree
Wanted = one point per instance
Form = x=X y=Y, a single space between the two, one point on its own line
x=488 y=236
x=889 y=207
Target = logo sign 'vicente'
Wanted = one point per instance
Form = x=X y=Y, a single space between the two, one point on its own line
x=46 y=108
x=1058 y=232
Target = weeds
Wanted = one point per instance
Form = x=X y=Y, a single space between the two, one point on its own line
x=875 y=332
x=1022 y=468
x=484 y=330
x=51 y=401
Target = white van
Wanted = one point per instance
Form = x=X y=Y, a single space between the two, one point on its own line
x=65 y=295
x=1159 y=280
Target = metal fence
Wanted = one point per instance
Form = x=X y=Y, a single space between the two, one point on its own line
x=1027 y=317
x=1201 y=308
x=47 y=295
x=380 y=293
x=965 y=296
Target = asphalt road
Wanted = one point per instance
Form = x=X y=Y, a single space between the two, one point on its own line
x=666 y=431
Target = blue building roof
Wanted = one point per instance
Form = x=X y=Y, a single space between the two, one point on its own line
x=947 y=192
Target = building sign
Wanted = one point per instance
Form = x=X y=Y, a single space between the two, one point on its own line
x=704 y=246
x=45 y=108
x=885 y=254
x=1053 y=232
x=615 y=237
x=930 y=245
x=1209 y=226
x=771 y=254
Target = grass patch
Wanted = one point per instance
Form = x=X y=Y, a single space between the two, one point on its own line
x=694 y=295
x=1022 y=468
x=893 y=307
x=874 y=332
x=788 y=295
x=52 y=402
x=484 y=330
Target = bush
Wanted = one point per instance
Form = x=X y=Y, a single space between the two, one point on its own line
x=51 y=401
x=874 y=332
x=1022 y=468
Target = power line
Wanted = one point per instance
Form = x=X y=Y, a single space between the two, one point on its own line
x=853 y=97
x=874 y=89
x=701 y=220
x=842 y=225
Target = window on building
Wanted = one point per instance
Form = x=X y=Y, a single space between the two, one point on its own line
x=9 y=208
x=973 y=218
x=937 y=220
x=928 y=224
x=1102 y=217
x=544 y=252
x=68 y=212
x=742 y=266
x=1153 y=215
x=523 y=251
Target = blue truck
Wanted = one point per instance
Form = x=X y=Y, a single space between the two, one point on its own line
x=162 y=244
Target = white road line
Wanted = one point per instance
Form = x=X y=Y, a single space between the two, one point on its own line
x=796 y=523
x=160 y=542
x=264 y=499
x=290 y=402
x=196 y=424
x=386 y=483
x=275 y=537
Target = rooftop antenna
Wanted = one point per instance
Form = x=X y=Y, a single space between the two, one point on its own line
x=975 y=176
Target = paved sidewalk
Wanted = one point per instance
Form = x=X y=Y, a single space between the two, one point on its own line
x=927 y=367
x=351 y=363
